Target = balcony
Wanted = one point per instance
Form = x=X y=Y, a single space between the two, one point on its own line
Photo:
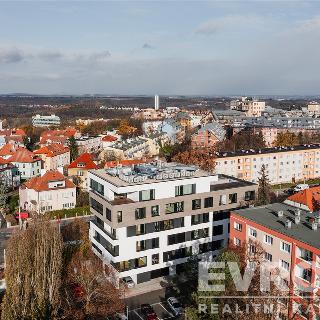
x=101 y=228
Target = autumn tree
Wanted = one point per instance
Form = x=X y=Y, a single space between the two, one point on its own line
x=264 y=188
x=90 y=289
x=203 y=158
x=286 y=139
x=95 y=128
x=126 y=130
x=33 y=272
x=74 y=151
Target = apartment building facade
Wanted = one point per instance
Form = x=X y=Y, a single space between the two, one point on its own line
x=290 y=240
x=283 y=164
x=149 y=219
x=45 y=121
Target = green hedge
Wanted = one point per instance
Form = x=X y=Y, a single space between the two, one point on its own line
x=69 y=213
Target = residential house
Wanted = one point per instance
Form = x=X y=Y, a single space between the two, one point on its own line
x=79 y=168
x=52 y=191
x=9 y=174
x=208 y=135
x=53 y=156
x=28 y=164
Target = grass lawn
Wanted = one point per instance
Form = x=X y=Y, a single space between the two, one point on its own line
x=69 y=213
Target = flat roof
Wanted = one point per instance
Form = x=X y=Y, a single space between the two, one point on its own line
x=267 y=216
x=248 y=152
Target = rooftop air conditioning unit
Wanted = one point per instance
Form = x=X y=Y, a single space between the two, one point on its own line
x=288 y=224
x=280 y=213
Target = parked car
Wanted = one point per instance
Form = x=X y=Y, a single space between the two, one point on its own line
x=148 y=312
x=128 y=282
x=300 y=187
x=289 y=191
x=175 y=306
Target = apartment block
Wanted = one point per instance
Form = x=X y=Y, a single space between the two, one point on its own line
x=283 y=164
x=150 y=218
x=290 y=238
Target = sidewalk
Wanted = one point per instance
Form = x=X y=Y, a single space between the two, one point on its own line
x=152 y=285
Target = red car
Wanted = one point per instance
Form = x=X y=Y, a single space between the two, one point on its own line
x=148 y=312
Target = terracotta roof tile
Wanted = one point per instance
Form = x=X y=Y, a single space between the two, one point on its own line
x=8 y=150
x=84 y=161
x=109 y=138
x=23 y=155
x=309 y=197
x=52 y=150
x=42 y=183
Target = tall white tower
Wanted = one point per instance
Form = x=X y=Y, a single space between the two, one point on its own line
x=156 y=102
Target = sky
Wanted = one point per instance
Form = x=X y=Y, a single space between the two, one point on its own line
x=160 y=47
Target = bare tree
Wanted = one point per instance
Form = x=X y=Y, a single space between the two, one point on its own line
x=33 y=273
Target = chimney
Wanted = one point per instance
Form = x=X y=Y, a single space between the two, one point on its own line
x=314 y=226
x=288 y=224
x=298 y=213
x=280 y=214
x=297 y=219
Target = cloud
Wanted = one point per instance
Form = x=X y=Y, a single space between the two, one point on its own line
x=11 y=55
x=50 y=55
x=312 y=24
x=147 y=46
x=215 y=26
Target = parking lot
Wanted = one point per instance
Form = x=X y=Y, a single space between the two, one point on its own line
x=161 y=309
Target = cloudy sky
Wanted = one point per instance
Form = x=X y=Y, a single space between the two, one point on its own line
x=167 y=47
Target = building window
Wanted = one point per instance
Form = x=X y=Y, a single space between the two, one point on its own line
x=268 y=239
x=174 y=207
x=252 y=233
x=304 y=254
x=223 y=199
x=154 y=211
x=200 y=233
x=238 y=226
x=119 y=216
x=285 y=247
x=284 y=265
x=108 y=214
x=141 y=245
x=176 y=238
x=208 y=202
x=140 y=213
x=97 y=187
x=196 y=204
x=237 y=242
x=97 y=206
x=268 y=256
x=146 y=195
x=140 y=229
x=155 y=258
x=233 y=198
x=185 y=190
x=303 y=273
x=217 y=230
x=249 y=195
x=199 y=218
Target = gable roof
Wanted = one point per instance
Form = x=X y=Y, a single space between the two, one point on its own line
x=24 y=156
x=41 y=183
x=3 y=161
x=8 y=150
x=52 y=150
x=215 y=128
x=309 y=197
x=86 y=160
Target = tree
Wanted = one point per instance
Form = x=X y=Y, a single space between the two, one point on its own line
x=264 y=188
x=3 y=196
x=74 y=151
x=203 y=158
x=286 y=139
x=95 y=128
x=90 y=287
x=82 y=199
x=126 y=130
x=33 y=272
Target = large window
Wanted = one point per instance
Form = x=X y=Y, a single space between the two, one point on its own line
x=176 y=238
x=249 y=195
x=185 y=190
x=252 y=232
x=155 y=211
x=97 y=206
x=196 y=204
x=217 y=230
x=304 y=254
x=108 y=214
x=140 y=213
x=233 y=198
x=200 y=233
x=200 y=218
x=208 y=202
x=97 y=187
x=286 y=247
x=146 y=195
x=177 y=254
x=174 y=207
x=237 y=226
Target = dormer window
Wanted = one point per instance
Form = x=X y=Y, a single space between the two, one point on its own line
x=81 y=165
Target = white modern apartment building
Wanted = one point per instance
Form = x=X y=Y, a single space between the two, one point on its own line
x=283 y=164
x=45 y=121
x=149 y=219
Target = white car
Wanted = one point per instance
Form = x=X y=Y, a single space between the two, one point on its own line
x=128 y=282
x=300 y=187
x=175 y=306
